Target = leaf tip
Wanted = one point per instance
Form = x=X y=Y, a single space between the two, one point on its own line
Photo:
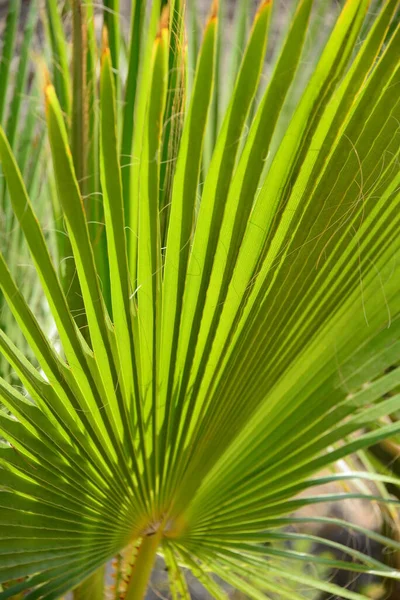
x=214 y=10
x=46 y=80
x=105 y=48
x=264 y=5
x=47 y=88
x=164 y=21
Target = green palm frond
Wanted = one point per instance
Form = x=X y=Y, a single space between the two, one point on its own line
x=234 y=307
x=20 y=117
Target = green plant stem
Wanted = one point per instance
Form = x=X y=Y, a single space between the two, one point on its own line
x=92 y=587
x=143 y=566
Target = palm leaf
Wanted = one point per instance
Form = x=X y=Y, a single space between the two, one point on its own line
x=21 y=119
x=219 y=374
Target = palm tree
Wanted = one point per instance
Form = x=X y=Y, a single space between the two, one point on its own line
x=233 y=284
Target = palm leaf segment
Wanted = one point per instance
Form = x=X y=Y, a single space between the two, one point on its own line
x=228 y=351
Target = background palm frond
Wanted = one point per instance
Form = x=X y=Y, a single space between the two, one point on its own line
x=229 y=291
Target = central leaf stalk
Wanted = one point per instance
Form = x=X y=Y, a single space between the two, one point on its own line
x=143 y=566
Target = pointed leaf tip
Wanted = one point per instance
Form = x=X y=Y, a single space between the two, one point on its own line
x=214 y=10
x=164 y=20
x=48 y=89
x=104 y=40
x=46 y=79
x=264 y=5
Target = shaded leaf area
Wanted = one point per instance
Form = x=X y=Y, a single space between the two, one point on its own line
x=234 y=308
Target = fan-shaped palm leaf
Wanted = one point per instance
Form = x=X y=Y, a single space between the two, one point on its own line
x=225 y=368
